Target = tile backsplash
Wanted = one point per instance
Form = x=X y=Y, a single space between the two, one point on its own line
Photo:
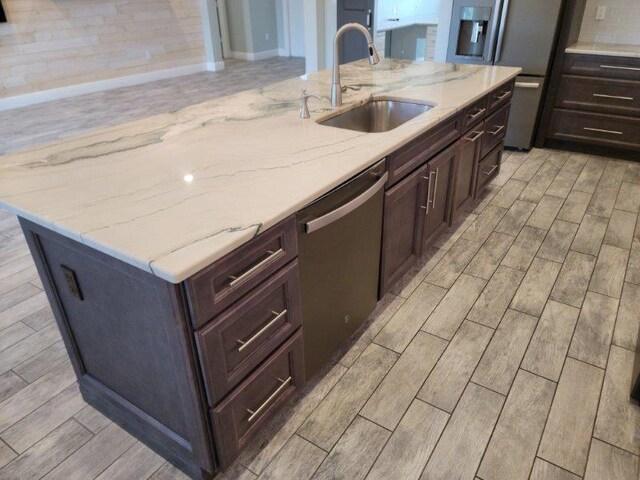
x=621 y=24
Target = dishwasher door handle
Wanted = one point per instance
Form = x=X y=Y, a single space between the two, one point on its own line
x=347 y=208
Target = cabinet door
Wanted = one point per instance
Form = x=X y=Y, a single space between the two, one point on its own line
x=440 y=195
x=470 y=147
x=404 y=207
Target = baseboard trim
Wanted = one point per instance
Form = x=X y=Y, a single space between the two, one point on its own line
x=250 y=56
x=34 y=98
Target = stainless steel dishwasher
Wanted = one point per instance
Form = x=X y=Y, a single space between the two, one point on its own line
x=339 y=238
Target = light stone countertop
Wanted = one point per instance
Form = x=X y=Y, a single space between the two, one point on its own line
x=253 y=162
x=607 y=49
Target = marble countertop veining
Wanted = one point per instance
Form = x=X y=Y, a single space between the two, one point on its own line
x=606 y=49
x=172 y=193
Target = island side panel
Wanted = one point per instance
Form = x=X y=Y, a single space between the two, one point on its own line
x=127 y=335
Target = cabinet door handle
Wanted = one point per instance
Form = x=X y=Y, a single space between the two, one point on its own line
x=490 y=171
x=616 y=67
x=244 y=344
x=254 y=413
x=600 y=130
x=498 y=130
x=614 y=97
x=235 y=280
x=429 y=203
x=474 y=138
x=479 y=112
x=435 y=188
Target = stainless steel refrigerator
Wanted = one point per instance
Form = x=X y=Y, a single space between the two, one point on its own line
x=516 y=33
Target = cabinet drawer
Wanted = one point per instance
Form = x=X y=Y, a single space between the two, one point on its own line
x=596 y=128
x=621 y=97
x=474 y=113
x=239 y=417
x=501 y=96
x=215 y=288
x=489 y=168
x=602 y=66
x=495 y=129
x=406 y=159
x=233 y=344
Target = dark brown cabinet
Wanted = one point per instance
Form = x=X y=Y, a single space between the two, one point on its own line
x=470 y=147
x=439 y=194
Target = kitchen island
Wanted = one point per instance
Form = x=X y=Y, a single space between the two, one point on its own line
x=155 y=239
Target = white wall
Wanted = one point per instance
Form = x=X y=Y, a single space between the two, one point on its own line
x=444 y=27
x=296 y=27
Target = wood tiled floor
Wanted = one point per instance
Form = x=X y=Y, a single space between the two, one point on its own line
x=507 y=354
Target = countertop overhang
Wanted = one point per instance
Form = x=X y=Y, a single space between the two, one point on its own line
x=172 y=193
x=605 y=49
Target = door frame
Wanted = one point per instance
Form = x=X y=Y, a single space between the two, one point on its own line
x=224 y=29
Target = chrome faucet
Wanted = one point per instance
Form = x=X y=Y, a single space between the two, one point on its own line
x=336 y=87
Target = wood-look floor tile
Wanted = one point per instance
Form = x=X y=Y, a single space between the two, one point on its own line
x=496 y=297
x=590 y=235
x=412 y=279
x=546 y=471
x=567 y=435
x=403 y=326
x=594 y=331
x=502 y=358
x=614 y=173
x=170 y=472
x=562 y=184
x=603 y=201
x=483 y=226
x=14 y=280
x=13 y=334
x=298 y=460
x=411 y=444
x=91 y=419
x=454 y=307
x=449 y=238
x=17 y=295
x=534 y=290
x=10 y=383
x=6 y=455
x=575 y=163
x=137 y=462
x=518 y=430
x=618 y=416
x=621 y=228
x=449 y=377
x=48 y=452
x=524 y=249
x=21 y=310
x=394 y=395
x=465 y=436
x=632 y=173
x=528 y=169
x=234 y=472
x=485 y=198
x=550 y=342
x=27 y=348
x=453 y=263
x=590 y=176
x=610 y=463
x=507 y=169
x=540 y=183
x=627 y=330
x=633 y=267
x=43 y=362
x=628 y=198
x=573 y=280
x=558 y=241
x=575 y=206
x=608 y=276
x=334 y=414
x=515 y=218
x=506 y=197
x=545 y=213
x=94 y=456
x=488 y=258
x=355 y=452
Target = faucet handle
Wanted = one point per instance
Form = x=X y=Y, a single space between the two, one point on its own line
x=304 y=107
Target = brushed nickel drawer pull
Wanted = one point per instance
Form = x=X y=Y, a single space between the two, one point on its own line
x=479 y=112
x=435 y=189
x=615 y=97
x=429 y=202
x=235 y=280
x=258 y=411
x=490 y=171
x=475 y=138
x=600 y=130
x=504 y=94
x=244 y=344
x=498 y=130
x=616 y=67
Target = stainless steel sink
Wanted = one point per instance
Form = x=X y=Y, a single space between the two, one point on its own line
x=377 y=115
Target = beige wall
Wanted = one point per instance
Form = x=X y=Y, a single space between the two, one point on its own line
x=56 y=43
x=621 y=24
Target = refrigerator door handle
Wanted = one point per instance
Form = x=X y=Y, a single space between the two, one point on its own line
x=532 y=85
x=503 y=24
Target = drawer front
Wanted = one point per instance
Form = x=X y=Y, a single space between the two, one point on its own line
x=489 y=168
x=501 y=96
x=406 y=159
x=596 y=128
x=619 y=97
x=494 y=130
x=474 y=113
x=215 y=288
x=233 y=344
x=602 y=66
x=239 y=417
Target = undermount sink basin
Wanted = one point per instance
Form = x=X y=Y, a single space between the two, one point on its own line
x=377 y=115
